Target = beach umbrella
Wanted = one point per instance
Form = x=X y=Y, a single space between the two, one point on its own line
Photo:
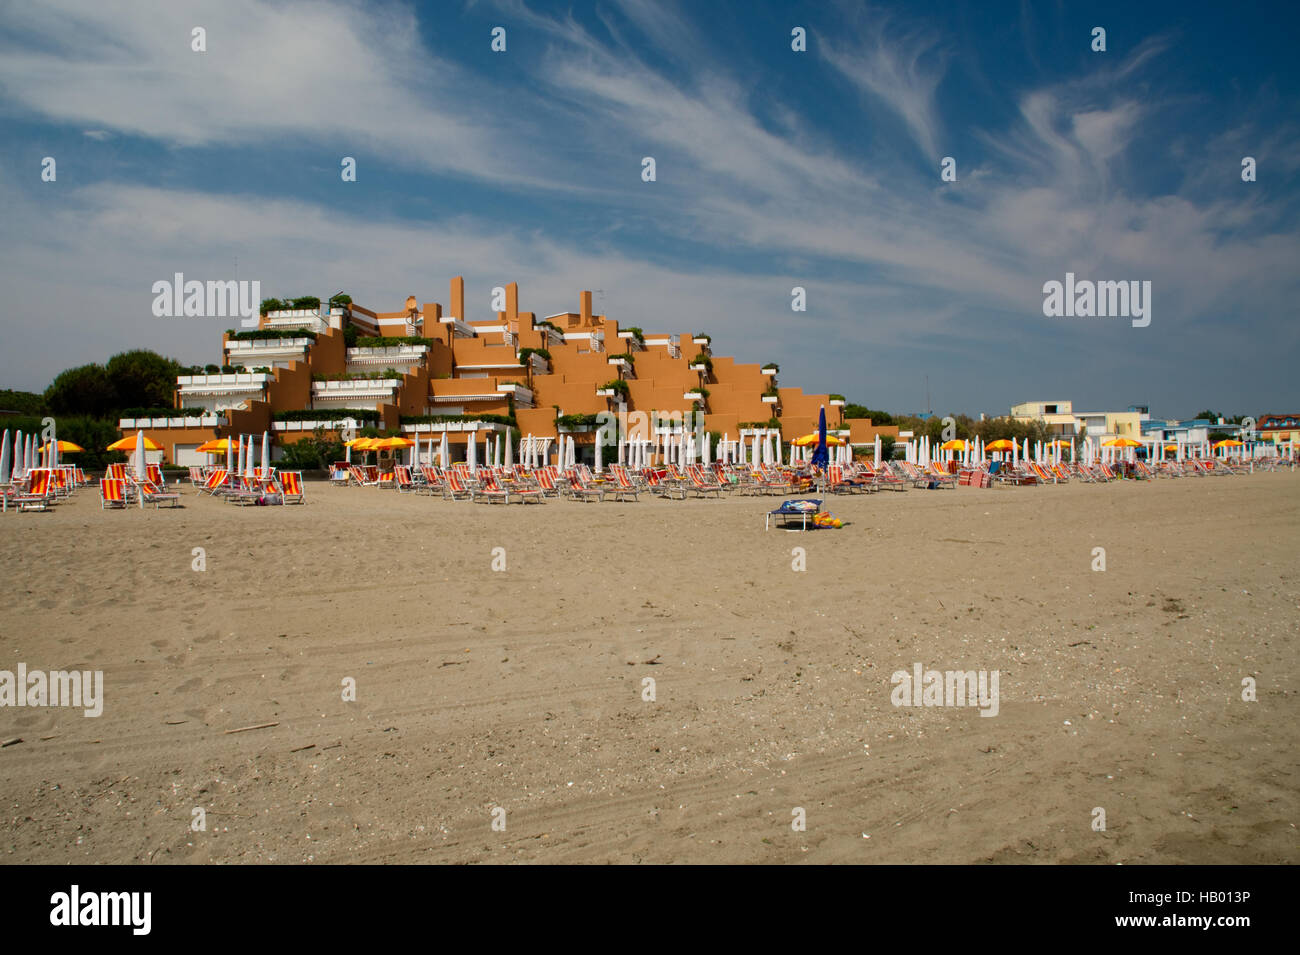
x=140 y=469
x=777 y=457
x=266 y=453
x=19 y=463
x=820 y=458
x=6 y=465
x=471 y=452
x=444 y=453
x=573 y=453
x=510 y=453
x=599 y=453
x=230 y=456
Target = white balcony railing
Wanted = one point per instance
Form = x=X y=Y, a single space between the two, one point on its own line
x=186 y=421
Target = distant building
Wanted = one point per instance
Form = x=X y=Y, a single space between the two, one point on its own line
x=447 y=373
x=1279 y=428
x=1063 y=421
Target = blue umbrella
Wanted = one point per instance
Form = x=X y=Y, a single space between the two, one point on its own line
x=820 y=456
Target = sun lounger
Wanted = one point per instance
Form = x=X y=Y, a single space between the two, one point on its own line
x=402 y=479
x=151 y=493
x=454 y=488
x=701 y=486
x=112 y=494
x=804 y=510
x=217 y=483
x=580 y=491
x=623 y=484
x=38 y=495
x=291 y=491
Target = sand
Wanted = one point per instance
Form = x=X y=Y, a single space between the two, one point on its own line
x=522 y=689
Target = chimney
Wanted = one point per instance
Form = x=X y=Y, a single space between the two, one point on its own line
x=585 y=308
x=512 y=301
x=456 y=301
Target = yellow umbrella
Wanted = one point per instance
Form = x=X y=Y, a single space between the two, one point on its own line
x=1121 y=443
x=360 y=444
x=215 y=446
x=808 y=440
x=1171 y=449
x=128 y=444
x=957 y=444
x=1229 y=443
x=1002 y=444
x=1060 y=443
x=386 y=444
x=65 y=446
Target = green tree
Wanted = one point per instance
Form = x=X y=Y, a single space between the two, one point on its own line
x=143 y=378
x=86 y=389
x=24 y=402
x=853 y=410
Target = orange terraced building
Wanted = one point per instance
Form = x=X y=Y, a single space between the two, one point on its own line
x=442 y=371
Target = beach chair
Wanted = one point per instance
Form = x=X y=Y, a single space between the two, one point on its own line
x=151 y=493
x=454 y=488
x=493 y=482
x=386 y=479
x=623 y=484
x=112 y=494
x=546 y=482
x=196 y=476
x=291 y=491
x=217 y=482
x=358 y=476
x=38 y=495
x=154 y=475
x=402 y=479
x=700 y=486
x=580 y=491
x=489 y=490
x=886 y=477
x=433 y=480
x=804 y=510
x=657 y=486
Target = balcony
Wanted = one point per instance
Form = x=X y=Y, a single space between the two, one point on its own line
x=341 y=393
x=395 y=356
x=459 y=329
x=312 y=319
x=187 y=421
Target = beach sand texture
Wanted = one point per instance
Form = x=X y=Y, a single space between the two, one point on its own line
x=522 y=689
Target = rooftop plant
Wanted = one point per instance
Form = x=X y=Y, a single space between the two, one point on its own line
x=451 y=418
x=390 y=342
x=268 y=334
x=357 y=375
x=524 y=354
x=327 y=414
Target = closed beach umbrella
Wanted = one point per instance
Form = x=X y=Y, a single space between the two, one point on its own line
x=820 y=458
x=598 y=452
x=510 y=452
x=141 y=470
x=444 y=453
x=471 y=452
x=6 y=466
x=266 y=453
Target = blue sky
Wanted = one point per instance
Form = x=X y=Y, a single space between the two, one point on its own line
x=774 y=169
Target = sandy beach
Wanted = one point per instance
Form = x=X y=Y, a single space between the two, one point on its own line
x=523 y=689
